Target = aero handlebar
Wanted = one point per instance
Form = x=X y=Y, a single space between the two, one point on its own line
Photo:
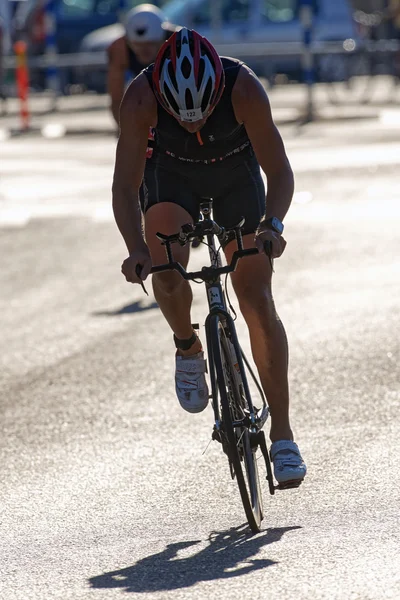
x=202 y=228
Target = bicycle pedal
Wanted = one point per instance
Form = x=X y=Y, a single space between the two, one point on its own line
x=216 y=436
x=289 y=485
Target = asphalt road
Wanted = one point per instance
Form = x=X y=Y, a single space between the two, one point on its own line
x=105 y=486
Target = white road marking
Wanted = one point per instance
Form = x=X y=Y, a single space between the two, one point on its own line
x=53 y=130
x=345 y=157
x=4 y=135
x=334 y=212
x=45 y=180
x=390 y=117
x=302 y=197
x=56 y=179
x=17 y=216
x=20 y=215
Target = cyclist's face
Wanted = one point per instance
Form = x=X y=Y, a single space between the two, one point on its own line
x=146 y=52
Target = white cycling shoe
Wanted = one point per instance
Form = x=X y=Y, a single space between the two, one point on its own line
x=190 y=382
x=289 y=467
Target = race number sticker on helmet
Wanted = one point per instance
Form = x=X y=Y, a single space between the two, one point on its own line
x=192 y=115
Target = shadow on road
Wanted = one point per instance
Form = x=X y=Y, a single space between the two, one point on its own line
x=227 y=555
x=135 y=307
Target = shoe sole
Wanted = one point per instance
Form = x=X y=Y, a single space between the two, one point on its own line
x=289 y=485
x=193 y=409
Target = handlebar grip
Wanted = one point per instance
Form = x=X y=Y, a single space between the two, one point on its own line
x=268 y=248
x=138 y=271
x=162 y=237
x=268 y=251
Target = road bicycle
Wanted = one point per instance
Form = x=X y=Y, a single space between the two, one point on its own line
x=237 y=422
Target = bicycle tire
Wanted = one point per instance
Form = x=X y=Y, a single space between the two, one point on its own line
x=242 y=456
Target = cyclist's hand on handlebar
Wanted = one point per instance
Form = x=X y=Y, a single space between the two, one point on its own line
x=270 y=242
x=138 y=263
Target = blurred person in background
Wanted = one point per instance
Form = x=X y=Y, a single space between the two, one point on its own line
x=5 y=40
x=146 y=29
x=29 y=24
x=2 y=94
x=394 y=15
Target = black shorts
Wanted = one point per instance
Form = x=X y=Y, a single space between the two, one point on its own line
x=235 y=185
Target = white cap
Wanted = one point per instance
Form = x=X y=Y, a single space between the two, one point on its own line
x=145 y=24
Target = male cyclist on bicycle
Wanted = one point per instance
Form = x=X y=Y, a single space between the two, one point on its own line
x=213 y=131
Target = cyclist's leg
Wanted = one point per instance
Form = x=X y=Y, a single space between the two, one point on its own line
x=172 y=292
x=168 y=204
x=252 y=285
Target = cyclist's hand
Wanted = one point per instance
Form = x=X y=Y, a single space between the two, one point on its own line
x=138 y=262
x=267 y=239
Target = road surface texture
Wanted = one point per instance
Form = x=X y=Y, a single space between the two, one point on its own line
x=107 y=491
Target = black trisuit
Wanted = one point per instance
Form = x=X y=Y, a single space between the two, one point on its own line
x=218 y=162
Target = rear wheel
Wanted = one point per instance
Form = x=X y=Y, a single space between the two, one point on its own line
x=235 y=424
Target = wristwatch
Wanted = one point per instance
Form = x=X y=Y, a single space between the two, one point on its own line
x=273 y=223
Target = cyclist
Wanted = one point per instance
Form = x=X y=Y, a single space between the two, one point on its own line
x=394 y=15
x=213 y=131
x=2 y=94
x=146 y=28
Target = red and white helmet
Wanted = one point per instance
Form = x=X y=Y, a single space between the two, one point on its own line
x=188 y=76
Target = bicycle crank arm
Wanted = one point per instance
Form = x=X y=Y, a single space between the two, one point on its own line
x=260 y=441
x=262 y=416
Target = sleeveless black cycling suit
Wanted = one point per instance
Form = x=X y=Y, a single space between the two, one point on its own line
x=217 y=163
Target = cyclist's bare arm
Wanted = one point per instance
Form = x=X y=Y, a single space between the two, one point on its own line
x=252 y=108
x=393 y=10
x=138 y=113
x=117 y=65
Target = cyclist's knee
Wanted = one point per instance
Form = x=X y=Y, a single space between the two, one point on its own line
x=167 y=283
x=255 y=299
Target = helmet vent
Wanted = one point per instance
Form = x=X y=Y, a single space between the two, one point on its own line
x=189 y=100
x=207 y=95
x=186 y=68
x=172 y=75
x=171 y=99
x=202 y=67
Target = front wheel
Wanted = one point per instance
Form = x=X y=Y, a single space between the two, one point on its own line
x=235 y=427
